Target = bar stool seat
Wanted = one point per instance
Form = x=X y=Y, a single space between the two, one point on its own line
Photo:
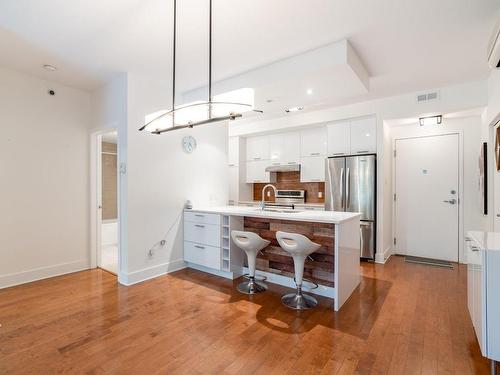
x=251 y=243
x=299 y=247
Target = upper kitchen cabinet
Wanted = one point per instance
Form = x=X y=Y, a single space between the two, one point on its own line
x=312 y=169
x=364 y=136
x=256 y=171
x=291 y=148
x=339 y=138
x=352 y=137
x=233 y=151
x=284 y=148
x=276 y=148
x=258 y=148
x=313 y=142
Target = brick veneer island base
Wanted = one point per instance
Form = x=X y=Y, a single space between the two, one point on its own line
x=318 y=268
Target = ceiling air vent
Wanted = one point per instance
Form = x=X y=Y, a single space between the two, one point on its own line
x=428 y=96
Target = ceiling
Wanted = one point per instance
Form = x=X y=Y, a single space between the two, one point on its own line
x=405 y=45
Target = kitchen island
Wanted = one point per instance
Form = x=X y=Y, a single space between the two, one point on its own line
x=334 y=267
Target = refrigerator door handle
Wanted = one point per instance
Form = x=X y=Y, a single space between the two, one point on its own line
x=347 y=187
x=341 y=187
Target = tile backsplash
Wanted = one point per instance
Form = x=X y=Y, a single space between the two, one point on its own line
x=291 y=180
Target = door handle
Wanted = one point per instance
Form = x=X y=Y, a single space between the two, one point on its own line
x=451 y=201
x=347 y=187
x=341 y=187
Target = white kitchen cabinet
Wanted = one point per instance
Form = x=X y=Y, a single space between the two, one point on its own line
x=258 y=148
x=276 y=148
x=291 y=148
x=363 y=136
x=284 y=148
x=256 y=171
x=483 y=297
x=313 y=142
x=233 y=151
x=339 y=138
x=312 y=169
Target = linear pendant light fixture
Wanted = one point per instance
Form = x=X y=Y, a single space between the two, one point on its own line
x=200 y=112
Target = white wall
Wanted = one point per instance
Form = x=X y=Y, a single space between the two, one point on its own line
x=44 y=179
x=470 y=130
x=110 y=111
x=161 y=176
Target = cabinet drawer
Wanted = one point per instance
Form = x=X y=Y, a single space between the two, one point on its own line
x=205 y=234
x=202 y=218
x=203 y=255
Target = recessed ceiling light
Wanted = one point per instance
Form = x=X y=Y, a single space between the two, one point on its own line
x=50 y=68
x=294 y=109
x=309 y=91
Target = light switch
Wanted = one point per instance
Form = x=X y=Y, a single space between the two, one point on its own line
x=320 y=194
x=268 y=193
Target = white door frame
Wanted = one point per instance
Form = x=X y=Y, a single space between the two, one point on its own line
x=493 y=175
x=434 y=133
x=96 y=196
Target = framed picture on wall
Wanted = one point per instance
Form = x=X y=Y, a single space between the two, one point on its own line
x=497 y=147
x=483 y=178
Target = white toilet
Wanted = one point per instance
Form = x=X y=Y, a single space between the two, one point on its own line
x=251 y=243
x=299 y=247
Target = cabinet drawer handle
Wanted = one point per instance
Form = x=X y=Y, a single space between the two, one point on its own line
x=474 y=248
x=294 y=162
x=199 y=215
x=338 y=153
x=256 y=158
x=199 y=226
x=199 y=247
x=315 y=153
x=231 y=165
x=362 y=152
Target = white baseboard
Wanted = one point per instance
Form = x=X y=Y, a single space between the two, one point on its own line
x=382 y=258
x=151 y=272
x=42 y=273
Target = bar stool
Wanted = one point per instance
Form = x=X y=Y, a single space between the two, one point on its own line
x=299 y=247
x=251 y=243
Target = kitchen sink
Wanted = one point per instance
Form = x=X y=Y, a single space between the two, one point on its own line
x=279 y=210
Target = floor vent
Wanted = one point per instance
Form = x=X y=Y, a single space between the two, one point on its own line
x=428 y=261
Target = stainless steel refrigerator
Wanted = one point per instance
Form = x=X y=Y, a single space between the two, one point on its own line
x=351 y=187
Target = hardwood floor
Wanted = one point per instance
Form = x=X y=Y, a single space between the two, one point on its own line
x=403 y=319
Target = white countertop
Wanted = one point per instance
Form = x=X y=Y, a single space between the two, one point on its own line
x=332 y=217
x=489 y=241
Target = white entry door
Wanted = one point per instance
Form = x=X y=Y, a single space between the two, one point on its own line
x=427 y=181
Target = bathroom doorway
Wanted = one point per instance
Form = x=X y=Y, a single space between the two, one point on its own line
x=107 y=201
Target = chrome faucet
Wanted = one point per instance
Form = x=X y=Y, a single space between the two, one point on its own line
x=262 y=204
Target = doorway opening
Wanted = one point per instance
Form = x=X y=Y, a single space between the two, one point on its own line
x=107 y=201
x=427 y=194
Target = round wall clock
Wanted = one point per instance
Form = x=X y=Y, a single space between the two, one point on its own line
x=188 y=144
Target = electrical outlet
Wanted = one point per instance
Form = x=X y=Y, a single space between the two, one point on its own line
x=320 y=194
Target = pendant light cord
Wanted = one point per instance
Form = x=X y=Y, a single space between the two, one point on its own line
x=173 y=63
x=210 y=53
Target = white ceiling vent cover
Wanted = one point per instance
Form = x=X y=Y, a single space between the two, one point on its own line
x=427 y=97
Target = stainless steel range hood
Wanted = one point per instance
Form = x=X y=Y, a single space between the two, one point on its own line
x=284 y=168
